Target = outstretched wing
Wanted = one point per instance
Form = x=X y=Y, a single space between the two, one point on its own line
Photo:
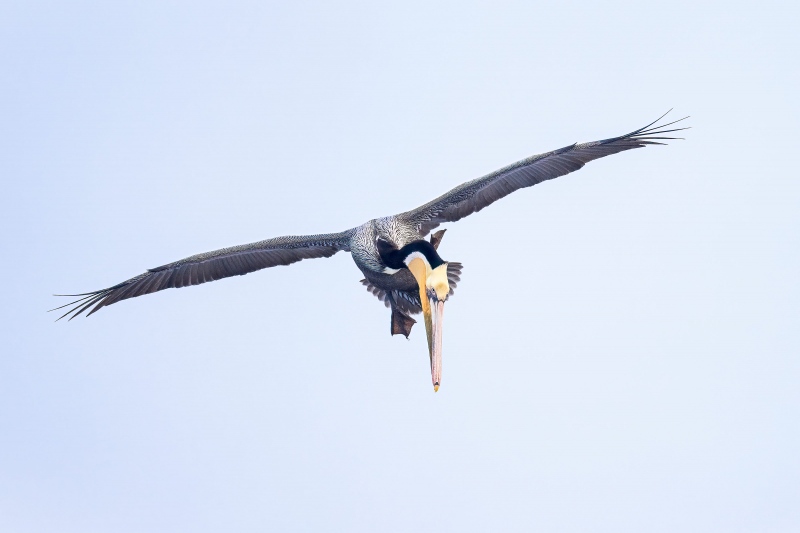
x=472 y=196
x=210 y=266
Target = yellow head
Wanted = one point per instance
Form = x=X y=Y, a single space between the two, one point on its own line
x=437 y=283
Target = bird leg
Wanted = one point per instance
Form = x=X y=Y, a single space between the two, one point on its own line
x=401 y=323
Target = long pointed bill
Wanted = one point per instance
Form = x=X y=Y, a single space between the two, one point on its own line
x=433 y=320
x=437 y=315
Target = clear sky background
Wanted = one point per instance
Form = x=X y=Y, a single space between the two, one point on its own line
x=622 y=355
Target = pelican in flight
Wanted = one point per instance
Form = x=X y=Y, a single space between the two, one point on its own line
x=400 y=267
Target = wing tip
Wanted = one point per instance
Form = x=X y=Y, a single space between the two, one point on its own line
x=653 y=130
x=79 y=306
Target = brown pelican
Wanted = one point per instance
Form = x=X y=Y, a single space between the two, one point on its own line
x=400 y=267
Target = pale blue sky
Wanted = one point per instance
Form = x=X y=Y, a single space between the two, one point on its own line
x=631 y=365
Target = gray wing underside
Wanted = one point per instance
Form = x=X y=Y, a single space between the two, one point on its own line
x=472 y=196
x=211 y=266
x=408 y=302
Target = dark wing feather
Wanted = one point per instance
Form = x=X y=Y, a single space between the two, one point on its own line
x=472 y=196
x=210 y=266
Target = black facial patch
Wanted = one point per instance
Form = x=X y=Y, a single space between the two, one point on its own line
x=394 y=258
